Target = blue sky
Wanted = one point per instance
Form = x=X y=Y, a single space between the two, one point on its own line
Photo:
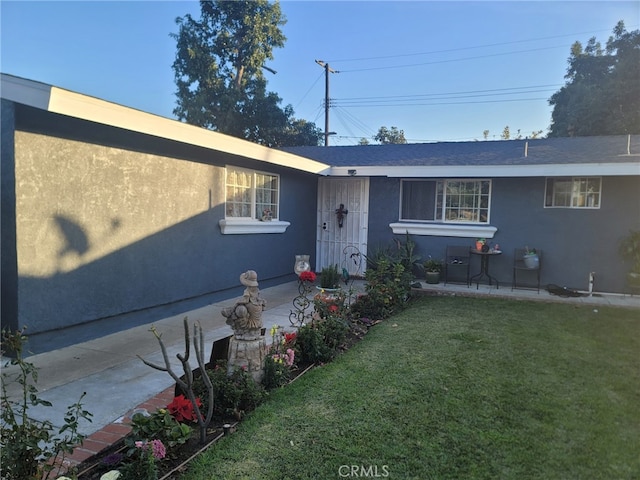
x=440 y=71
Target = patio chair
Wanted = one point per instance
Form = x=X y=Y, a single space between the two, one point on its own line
x=456 y=264
x=522 y=271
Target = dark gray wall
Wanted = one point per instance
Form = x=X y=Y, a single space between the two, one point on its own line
x=574 y=241
x=9 y=266
x=112 y=225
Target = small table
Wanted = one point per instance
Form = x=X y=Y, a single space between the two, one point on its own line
x=484 y=267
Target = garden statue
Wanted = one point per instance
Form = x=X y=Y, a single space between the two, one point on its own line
x=247 y=347
x=245 y=317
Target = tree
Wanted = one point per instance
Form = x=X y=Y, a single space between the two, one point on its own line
x=602 y=93
x=506 y=134
x=219 y=75
x=386 y=136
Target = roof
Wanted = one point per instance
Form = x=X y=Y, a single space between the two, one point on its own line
x=607 y=155
x=65 y=102
x=603 y=155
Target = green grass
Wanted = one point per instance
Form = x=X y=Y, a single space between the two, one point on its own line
x=457 y=388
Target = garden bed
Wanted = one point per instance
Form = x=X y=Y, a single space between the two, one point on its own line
x=172 y=466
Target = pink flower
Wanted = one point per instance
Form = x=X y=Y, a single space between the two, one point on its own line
x=158 y=450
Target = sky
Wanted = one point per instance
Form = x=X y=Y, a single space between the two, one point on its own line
x=438 y=71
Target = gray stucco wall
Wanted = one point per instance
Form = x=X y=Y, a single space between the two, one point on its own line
x=574 y=241
x=9 y=266
x=110 y=223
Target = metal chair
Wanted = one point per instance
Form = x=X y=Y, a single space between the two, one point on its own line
x=456 y=264
x=521 y=269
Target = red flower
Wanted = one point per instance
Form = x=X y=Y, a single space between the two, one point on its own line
x=308 y=276
x=333 y=308
x=289 y=337
x=182 y=409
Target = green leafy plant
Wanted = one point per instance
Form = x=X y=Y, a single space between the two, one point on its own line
x=280 y=358
x=29 y=448
x=629 y=249
x=159 y=425
x=319 y=342
x=330 y=277
x=433 y=265
x=388 y=288
x=142 y=464
x=235 y=394
x=405 y=254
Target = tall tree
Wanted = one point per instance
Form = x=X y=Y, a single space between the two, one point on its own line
x=602 y=93
x=392 y=135
x=219 y=75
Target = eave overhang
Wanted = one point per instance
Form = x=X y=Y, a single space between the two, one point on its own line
x=65 y=102
x=630 y=166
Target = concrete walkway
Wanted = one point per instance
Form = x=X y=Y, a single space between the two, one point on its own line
x=116 y=382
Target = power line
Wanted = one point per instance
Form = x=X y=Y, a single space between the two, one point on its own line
x=435 y=62
x=465 y=92
x=447 y=103
x=467 y=48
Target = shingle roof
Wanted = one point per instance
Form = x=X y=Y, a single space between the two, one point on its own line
x=600 y=149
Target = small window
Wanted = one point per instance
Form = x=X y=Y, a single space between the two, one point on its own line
x=449 y=201
x=251 y=194
x=573 y=192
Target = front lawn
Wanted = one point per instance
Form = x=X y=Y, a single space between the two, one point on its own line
x=456 y=388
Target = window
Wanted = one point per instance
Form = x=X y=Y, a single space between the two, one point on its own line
x=454 y=201
x=251 y=194
x=573 y=192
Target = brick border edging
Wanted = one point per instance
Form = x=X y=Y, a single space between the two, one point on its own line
x=112 y=433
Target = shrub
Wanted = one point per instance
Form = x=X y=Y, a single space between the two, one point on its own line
x=319 y=341
x=159 y=425
x=234 y=394
x=29 y=449
x=330 y=277
x=388 y=289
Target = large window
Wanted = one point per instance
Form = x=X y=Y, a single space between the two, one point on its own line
x=455 y=201
x=573 y=192
x=251 y=194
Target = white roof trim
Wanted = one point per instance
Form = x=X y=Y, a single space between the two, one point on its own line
x=493 y=171
x=65 y=102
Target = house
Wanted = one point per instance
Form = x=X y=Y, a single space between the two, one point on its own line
x=572 y=198
x=113 y=217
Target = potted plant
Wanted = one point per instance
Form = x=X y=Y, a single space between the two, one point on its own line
x=432 y=269
x=629 y=249
x=531 y=259
x=330 y=278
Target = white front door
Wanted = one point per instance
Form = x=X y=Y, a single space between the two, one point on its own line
x=343 y=218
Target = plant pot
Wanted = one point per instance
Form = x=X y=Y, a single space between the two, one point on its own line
x=531 y=261
x=432 y=277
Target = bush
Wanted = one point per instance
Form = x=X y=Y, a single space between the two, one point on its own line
x=29 y=448
x=159 y=425
x=276 y=373
x=388 y=289
x=319 y=342
x=234 y=394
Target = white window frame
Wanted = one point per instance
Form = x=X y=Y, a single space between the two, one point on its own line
x=256 y=222
x=577 y=196
x=440 y=201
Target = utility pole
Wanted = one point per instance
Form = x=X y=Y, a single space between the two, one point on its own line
x=327 y=70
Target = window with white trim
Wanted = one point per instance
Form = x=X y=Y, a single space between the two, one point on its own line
x=251 y=194
x=573 y=192
x=448 y=201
